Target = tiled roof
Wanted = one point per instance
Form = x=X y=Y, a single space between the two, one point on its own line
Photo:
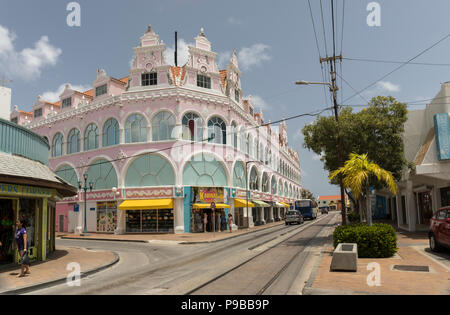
x=223 y=77
x=17 y=166
x=336 y=197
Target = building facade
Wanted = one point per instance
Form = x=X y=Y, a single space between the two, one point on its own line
x=29 y=191
x=425 y=187
x=163 y=143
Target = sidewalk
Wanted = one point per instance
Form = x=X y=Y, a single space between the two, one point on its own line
x=187 y=238
x=53 y=270
x=413 y=250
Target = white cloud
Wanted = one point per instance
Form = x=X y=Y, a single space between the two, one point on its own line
x=259 y=103
x=53 y=96
x=388 y=86
x=183 y=53
x=28 y=63
x=253 y=55
x=224 y=59
x=234 y=21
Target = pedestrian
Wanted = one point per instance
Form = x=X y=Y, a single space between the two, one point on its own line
x=22 y=246
x=230 y=222
x=223 y=222
x=205 y=221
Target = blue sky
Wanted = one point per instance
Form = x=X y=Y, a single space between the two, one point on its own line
x=275 y=41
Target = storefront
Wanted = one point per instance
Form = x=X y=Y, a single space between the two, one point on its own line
x=240 y=211
x=36 y=206
x=148 y=215
x=204 y=217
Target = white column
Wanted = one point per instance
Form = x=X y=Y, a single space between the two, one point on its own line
x=411 y=210
x=261 y=216
x=178 y=215
x=270 y=215
x=121 y=228
x=121 y=135
x=249 y=216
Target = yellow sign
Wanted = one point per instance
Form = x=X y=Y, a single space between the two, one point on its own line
x=19 y=190
x=210 y=195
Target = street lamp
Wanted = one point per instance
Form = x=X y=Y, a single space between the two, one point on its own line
x=85 y=188
x=246 y=186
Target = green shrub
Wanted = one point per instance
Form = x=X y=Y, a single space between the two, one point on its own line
x=376 y=241
x=353 y=217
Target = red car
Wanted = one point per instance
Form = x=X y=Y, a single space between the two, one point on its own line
x=439 y=234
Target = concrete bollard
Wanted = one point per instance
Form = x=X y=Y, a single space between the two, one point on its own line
x=345 y=257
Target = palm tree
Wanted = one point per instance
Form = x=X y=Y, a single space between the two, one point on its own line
x=357 y=172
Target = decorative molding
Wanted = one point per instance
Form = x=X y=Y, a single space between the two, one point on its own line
x=148 y=192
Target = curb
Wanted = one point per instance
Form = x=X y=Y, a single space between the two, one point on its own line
x=60 y=280
x=180 y=242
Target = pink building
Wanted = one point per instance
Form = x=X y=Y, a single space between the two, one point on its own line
x=159 y=145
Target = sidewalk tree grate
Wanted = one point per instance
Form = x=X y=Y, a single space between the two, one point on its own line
x=412 y=268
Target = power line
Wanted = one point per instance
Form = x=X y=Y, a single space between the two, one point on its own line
x=400 y=66
x=397 y=62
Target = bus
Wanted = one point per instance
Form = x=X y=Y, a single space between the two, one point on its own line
x=307 y=207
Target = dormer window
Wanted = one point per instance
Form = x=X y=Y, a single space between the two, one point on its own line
x=67 y=102
x=100 y=90
x=149 y=79
x=251 y=111
x=203 y=81
x=37 y=112
x=236 y=95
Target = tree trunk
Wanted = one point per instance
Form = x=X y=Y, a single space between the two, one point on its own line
x=361 y=208
x=369 y=208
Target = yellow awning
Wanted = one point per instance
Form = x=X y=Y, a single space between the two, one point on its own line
x=208 y=206
x=146 y=204
x=285 y=204
x=242 y=203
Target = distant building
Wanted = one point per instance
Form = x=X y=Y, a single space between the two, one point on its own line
x=334 y=202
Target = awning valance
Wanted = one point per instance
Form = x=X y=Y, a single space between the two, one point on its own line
x=146 y=204
x=285 y=205
x=241 y=203
x=260 y=203
x=279 y=205
x=208 y=206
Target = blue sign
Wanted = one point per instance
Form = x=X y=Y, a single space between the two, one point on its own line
x=92 y=209
x=442 y=134
x=76 y=207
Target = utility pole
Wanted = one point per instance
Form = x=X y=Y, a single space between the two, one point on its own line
x=333 y=89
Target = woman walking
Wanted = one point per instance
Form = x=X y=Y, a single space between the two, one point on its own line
x=230 y=222
x=22 y=246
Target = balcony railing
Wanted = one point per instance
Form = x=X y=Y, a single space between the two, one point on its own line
x=18 y=140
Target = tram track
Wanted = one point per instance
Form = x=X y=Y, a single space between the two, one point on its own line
x=240 y=271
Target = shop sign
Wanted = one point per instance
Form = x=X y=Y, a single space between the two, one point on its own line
x=19 y=190
x=76 y=207
x=210 y=195
x=442 y=134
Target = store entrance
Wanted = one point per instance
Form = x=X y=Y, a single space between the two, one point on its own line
x=215 y=220
x=149 y=221
x=7 y=223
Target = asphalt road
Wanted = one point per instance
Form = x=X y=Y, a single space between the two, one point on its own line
x=282 y=255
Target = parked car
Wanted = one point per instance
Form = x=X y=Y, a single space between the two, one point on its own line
x=294 y=216
x=439 y=234
x=324 y=210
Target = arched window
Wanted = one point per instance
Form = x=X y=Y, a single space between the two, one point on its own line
x=265 y=183
x=58 y=145
x=248 y=144
x=73 y=141
x=192 y=127
x=204 y=170
x=150 y=170
x=253 y=182
x=111 y=133
x=234 y=135
x=67 y=173
x=242 y=138
x=273 y=186
x=102 y=174
x=239 y=175
x=136 y=129
x=261 y=153
x=162 y=126
x=91 y=137
x=217 y=130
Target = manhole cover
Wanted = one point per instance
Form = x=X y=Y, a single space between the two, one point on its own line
x=412 y=268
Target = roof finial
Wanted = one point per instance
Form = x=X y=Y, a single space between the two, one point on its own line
x=149 y=28
x=202 y=32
